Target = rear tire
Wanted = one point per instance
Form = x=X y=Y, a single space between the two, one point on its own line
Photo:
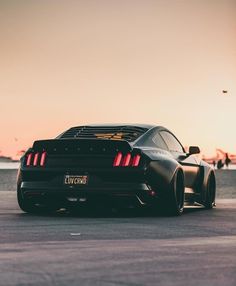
x=209 y=192
x=172 y=203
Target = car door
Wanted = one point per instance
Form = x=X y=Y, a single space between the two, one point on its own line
x=189 y=163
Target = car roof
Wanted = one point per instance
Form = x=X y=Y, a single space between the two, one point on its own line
x=141 y=125
x=126 y=131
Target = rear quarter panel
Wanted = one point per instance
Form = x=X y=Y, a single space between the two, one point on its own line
x=161 y=168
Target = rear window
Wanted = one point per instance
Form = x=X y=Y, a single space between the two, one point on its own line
x=128 y=133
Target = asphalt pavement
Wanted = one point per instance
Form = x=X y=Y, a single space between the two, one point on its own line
x=117 y=248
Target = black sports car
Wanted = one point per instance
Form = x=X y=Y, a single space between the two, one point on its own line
x=114 y=165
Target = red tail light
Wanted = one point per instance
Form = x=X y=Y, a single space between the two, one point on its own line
x=43 y=159
x=36 y=159
x=117 y=160
x=126 y=160
x=136 y=160
x=29 y=159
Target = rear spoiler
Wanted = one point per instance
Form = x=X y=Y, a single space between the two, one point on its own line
x=83 y=145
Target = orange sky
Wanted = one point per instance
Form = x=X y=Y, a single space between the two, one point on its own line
x=65 y=63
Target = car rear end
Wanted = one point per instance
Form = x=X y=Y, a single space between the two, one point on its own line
x=97 y=171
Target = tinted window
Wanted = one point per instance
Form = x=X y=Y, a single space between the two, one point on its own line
x=159 y=142
x=172 y=143
x=123 y=132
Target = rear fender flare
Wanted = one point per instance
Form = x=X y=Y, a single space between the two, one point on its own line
x=160 y=172
x=207 y=171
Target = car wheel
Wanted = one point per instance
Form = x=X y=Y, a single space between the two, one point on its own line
x=210 y=191
x=173 y=199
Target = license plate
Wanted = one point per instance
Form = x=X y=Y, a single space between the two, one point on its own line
x=73 y=180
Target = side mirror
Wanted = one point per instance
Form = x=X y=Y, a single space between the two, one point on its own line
x=194 y=150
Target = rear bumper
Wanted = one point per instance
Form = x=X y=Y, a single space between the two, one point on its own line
x=111 y=185
x=125 y=194
x=109 y=188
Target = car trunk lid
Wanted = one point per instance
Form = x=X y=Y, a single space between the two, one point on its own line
x=94 y=153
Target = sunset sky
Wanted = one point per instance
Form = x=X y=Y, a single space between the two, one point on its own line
x=166 y=62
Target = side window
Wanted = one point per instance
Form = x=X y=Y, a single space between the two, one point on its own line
x=172 y=143
x=159 y=142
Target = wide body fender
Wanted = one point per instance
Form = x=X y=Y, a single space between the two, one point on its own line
x=206 y=171
x=160 y=171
